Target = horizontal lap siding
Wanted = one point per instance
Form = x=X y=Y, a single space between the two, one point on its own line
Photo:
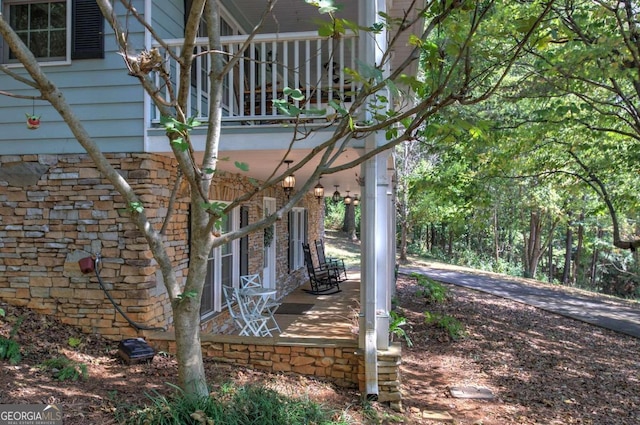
x=107 y=100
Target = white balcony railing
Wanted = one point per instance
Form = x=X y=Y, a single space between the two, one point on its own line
x=315 y=65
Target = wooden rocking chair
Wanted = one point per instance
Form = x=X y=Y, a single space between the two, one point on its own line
x=335 y=265
x=323 y=281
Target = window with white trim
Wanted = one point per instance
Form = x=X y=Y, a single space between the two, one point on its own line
x=55 y=31
x=297 y=236
x=223 y=268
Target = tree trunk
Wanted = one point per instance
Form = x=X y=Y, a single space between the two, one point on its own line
x=496 y=236
x=191 y=375
x=566 y=272
x=532 y=243
x=594 y=260
x=578 y=257
x=349 y=222
x=533 y=246
x=550 y=268
x=403 y=240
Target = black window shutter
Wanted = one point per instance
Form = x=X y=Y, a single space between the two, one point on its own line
x=244 y=242
x=87 y=31
x=290 y=256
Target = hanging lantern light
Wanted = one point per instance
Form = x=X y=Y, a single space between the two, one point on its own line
x=289 y=182
x=348 y=199
x=318 y=191
x=336 y=195
x=356 y=201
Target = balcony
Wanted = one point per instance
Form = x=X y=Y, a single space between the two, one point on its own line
x=273 y=64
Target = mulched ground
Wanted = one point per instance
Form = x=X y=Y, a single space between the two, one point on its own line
x=541 y=368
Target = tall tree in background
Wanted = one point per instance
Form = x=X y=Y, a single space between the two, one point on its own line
x=592 y=59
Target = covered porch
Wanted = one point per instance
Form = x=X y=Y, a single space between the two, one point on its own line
x=303 y=316
x=319 y=338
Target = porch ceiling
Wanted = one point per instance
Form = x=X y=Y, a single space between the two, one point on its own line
x=288 y=15
x=263 y=162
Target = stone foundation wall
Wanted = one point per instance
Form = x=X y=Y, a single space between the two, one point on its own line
x=340 y=362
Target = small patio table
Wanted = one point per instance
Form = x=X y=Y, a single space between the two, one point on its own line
x=254 y=300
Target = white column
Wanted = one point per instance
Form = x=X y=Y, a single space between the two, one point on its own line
x=375 y=247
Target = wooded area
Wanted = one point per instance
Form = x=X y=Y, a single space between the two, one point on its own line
x=541 y=178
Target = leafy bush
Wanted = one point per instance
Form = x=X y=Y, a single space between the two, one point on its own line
x=430 y=290
x=334 y=214
x=395 y=327
x=65 y=369
x=453 y=327
x=245 y=405
x=10 y=350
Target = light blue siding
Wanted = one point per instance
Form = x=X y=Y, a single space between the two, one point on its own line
x=168 y=18
x=107 y=100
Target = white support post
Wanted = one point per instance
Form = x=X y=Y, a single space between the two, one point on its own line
x=376 y=243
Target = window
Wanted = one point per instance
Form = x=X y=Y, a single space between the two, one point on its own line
x=222 y=268
x=46 y=28
x=297 y=236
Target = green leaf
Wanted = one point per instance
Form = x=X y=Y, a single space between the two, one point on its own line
x=193 y=122
x=295 y=94
x=136 y=207
x=243 y=166
x=180 y=144
x=376 y=28
x=214 y=207
x=187 y=294
x=286 y=108
x=74 y=342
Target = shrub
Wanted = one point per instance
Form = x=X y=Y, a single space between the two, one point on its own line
x=231 y=405
x=452 y=326
x=396 y=321
x=10 y=350
x=65 y=369
x=430 y=290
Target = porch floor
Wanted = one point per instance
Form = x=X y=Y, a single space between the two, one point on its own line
x=332 y=316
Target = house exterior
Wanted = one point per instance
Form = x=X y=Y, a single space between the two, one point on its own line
x=56 y=208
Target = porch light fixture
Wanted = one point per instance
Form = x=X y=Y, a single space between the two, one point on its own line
x=356 y=201
x=289 y=182
x=336 y=195
x=318 y=191
x=348 y=199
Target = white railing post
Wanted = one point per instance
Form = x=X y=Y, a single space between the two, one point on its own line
x=302 y=60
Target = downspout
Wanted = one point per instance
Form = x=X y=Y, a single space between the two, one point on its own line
x=371 y=47
x=368 y=288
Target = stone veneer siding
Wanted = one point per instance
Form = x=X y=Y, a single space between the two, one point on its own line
x=57 y=209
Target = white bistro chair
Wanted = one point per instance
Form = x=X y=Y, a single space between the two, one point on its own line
x=244 y=317
x=270 y=306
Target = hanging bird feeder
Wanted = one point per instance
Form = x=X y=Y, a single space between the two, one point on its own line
x=33 y=120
